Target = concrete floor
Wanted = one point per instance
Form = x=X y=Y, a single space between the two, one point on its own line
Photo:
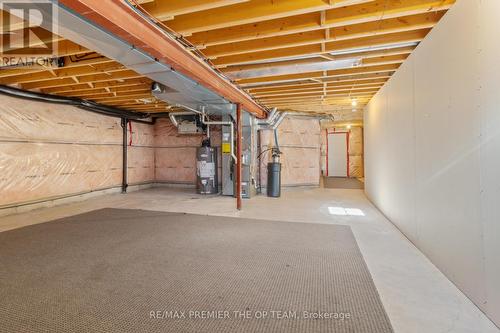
x=416 y=295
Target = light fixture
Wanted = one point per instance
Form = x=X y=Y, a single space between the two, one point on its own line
x=354 y=102
x=348 y=126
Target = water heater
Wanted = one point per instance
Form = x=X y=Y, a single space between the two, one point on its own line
x=206 y=169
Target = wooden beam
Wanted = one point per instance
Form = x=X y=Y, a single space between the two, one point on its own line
x=63 y=72
x=326 y=79
x=313 y=59
x=62 y=48
x=249 y=12
x=336 y=98
x=68 y=48
x=134 y=103
x=105 y=91
x=10 y=23
x=166 y=10
x=155 y=107
x=319 y=91
x=315 y=106
x=124 y=83
x=68 y=61
x=368 y=12
x=134 y=28
x=21 y=39
x=338 y=101
x=346 y=93
x=140 y=89
x=300 y=51
x=276 y=71
x=358 y=76
x=311 y=86
x=124 y=97
x=93 y=78
x=310 y=103
x=393 y=25
x=321 y=74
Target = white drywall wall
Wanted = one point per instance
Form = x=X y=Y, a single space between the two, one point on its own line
x=432 y=149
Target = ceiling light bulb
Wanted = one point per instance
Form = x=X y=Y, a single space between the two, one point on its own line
x=348 y=126
x=354 y=102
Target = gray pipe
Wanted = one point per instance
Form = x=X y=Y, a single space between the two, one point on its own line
x=276 y=143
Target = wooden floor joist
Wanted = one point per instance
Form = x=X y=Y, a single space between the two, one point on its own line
x=264 y=46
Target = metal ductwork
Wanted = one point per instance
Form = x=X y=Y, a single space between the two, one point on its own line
x=173 y=116
x=272 y=121
x=270 y=118
x=275 y=118
x=178 y=88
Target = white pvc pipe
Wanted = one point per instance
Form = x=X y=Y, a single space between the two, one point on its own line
x=230 y=123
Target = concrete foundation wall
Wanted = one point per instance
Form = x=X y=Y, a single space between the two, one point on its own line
x=432 y=144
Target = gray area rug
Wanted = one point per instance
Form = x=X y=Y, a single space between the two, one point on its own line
x=343 y=183
x=118 y=270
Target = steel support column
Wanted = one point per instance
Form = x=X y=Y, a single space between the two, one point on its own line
x=239 y=136
x=124 y=155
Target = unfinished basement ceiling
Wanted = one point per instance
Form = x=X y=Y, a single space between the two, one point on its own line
x=300 y=55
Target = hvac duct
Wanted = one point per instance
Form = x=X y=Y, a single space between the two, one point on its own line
x=195 y=91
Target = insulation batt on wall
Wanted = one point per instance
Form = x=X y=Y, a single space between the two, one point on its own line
x=175 y=154
x=141 y=154
x=299 y=140
x=356 y=169
x=51 y=150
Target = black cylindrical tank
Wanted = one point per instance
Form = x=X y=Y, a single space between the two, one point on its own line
x=274 y=179
x=206 y=170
